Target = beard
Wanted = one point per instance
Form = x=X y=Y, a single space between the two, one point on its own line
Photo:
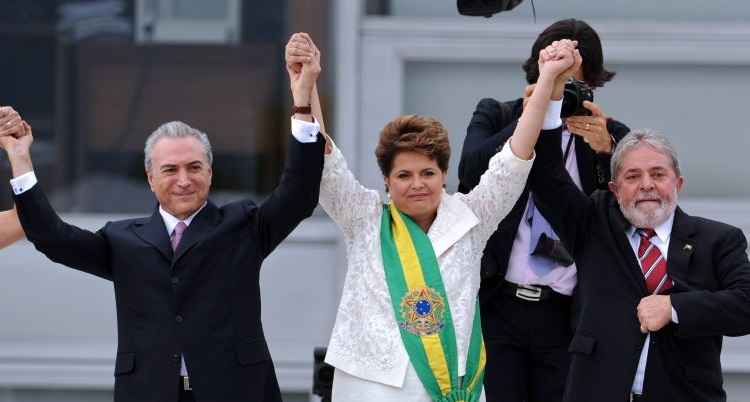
x=647 y=216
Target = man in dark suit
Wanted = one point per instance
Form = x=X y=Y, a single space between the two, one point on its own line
x=525 y=297
x=186 y=278
x=659 y=288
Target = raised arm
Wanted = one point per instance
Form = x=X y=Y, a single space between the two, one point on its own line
x=490 y=127
x=296 y=196
x=10 y=228
x=59 y=241
x=342 y=197
x=502 y=184
x=554 y=61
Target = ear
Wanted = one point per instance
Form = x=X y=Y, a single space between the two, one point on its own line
x=150 y=178
x=680 y=183
x=612 y=187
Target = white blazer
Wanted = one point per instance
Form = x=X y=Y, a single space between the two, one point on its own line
x=365 y=341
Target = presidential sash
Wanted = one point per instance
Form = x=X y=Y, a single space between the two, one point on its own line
x=423 y=315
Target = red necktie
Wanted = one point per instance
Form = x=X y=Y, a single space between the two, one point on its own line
x=653 y=264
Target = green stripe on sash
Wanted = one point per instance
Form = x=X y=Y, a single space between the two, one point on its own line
x=422 y=312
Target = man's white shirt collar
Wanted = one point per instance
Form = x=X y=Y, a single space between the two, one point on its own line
x=663 y=230
x=170 y=221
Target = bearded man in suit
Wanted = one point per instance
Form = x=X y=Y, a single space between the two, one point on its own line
x=659 y=288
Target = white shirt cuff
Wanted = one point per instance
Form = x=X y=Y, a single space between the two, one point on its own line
x=23 y=182
x=675 y=319
x=304 y=131
x=552 y=117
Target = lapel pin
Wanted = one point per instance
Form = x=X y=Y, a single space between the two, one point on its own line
x=687 y=247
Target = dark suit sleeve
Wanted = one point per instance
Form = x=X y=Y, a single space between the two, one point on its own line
x=603 y=174
x=565 y=206
x=296 y=196
x=61 y=242
x=725 y=311
x=488 y=130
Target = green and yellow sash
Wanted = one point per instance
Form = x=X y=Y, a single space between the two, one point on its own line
x=423 y=315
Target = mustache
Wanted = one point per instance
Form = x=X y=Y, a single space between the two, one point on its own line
x=650 y=196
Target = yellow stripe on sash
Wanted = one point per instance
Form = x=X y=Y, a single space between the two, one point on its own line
x=482 y=363
x=415 y=280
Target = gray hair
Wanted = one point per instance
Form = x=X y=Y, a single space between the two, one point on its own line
x=176 y=129
x=643 y=137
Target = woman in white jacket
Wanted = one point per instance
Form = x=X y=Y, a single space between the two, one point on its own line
x=407 y=327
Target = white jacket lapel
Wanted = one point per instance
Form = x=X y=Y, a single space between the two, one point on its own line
x=454 y=219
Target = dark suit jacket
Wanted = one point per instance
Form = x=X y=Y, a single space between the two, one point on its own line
x=490 y=127
x=203 y=301
x=708 y=263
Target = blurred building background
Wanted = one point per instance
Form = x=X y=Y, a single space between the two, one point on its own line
x=94 y=78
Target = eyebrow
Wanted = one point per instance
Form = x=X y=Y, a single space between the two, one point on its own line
x=172 y=165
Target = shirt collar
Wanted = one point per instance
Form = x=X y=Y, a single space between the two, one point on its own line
x=663 y=230
x=170 y=221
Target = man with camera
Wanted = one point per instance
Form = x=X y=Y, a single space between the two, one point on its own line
x=528 y=277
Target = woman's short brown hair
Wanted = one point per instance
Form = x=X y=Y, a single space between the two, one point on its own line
x=413 y=133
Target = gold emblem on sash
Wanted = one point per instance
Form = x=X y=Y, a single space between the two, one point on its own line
x=422 y=312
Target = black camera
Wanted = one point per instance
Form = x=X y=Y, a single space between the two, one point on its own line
x=554 y=250
x=575 y=93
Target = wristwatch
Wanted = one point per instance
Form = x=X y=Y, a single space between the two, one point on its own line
x=301 y=110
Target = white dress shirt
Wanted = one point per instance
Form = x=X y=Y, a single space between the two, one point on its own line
x=661 y=241
x=561 y=279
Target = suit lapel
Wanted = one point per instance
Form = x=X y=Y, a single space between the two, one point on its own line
x=152 y=231
x=618 y=228
x=202 y=224
x=681 y=245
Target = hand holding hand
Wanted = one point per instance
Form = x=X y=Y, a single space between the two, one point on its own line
x=11 y=123
x=303 y=65
x=654 y=312
x=592 y=128
x=558 y=59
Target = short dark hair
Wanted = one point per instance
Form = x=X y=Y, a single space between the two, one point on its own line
x=589 y=45
x=413 y=133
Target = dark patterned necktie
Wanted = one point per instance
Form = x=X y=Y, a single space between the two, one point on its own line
x=653 y=263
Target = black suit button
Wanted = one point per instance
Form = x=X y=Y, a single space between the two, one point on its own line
x=178 y=318
x=175 y=280
x=176 y=356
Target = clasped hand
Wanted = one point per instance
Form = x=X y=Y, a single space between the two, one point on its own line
x=15 y=133
x=654 y=312
x=303 y=65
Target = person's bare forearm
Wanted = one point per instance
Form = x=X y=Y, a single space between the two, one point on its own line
x=10 y=228
x=20 y=159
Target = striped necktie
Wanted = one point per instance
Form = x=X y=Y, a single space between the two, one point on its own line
x=653 y=264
